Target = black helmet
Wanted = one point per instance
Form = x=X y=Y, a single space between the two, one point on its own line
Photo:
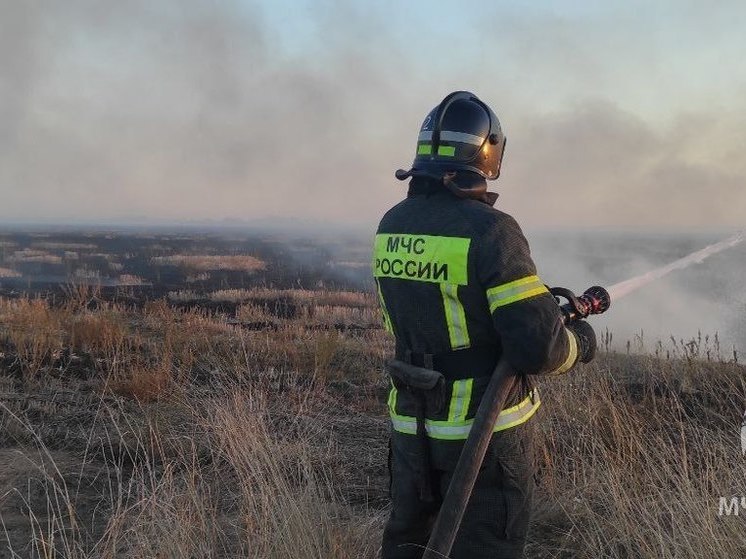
x=460 y=134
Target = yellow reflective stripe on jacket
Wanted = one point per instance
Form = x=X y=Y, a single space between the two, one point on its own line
x=401 y=423
x=458 y=332
x=460 y=399
x=426 y=258
x=453 y=430
x=384 y=312
x=514 y=291
x=572 y=355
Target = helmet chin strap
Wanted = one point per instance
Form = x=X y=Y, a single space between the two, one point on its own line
x=477 y=190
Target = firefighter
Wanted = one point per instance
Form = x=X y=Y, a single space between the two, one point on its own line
x=459 y=291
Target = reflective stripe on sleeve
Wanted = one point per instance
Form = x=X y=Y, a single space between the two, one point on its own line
x=572 y=355
x=514 y=291
x=386 y=318
x=458 y=332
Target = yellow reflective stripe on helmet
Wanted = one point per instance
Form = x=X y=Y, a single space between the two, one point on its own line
x=427 y=258
x=458 y=333
x=452 y=136
x=427 y=149
x=459 y=430
x=572 y=355
x=384 y=312
x=460 y=399
x=514 y=291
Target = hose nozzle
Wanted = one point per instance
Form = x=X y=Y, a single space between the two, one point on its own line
x=594 y=300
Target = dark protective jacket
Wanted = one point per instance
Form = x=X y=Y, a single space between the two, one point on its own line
x=458 y=290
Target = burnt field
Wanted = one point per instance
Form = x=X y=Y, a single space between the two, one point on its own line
x=137 y=265
x=230 y=402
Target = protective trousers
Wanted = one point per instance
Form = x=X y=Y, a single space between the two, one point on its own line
x=497 y=517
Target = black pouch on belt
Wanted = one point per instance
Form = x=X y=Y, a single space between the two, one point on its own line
x=427 y=387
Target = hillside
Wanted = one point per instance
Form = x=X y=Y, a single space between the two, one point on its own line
x=258 y=429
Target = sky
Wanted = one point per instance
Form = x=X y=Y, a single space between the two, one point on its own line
x=619 y=115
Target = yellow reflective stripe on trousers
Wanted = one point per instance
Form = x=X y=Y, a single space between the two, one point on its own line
x=386 y=318
x=455 y=316
x=572 y=355
x=460 y=399
x=514 y=291
x=459 y=430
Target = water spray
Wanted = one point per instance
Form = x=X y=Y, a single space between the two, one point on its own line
x=619 y=290
x=596 y=299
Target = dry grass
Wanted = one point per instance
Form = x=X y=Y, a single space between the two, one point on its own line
x=299 y=296
x=102 y=333
x=195 y=437
x=144 y=384
x=32 y=255
x=50 y=245
x=33 y=331
x=85 y=272
x=207 y=263
x=341 y=315
x=238 y=489
x=637 y=452
x=130 y=279
x=249 y=313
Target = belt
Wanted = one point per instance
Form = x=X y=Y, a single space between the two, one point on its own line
x=455 y=365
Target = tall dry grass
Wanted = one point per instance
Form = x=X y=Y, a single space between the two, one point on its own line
x=637 y=452
x=197 y=437
x=207 y=262
x=229 y=483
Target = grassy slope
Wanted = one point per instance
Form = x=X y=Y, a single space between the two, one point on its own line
x=182 y=434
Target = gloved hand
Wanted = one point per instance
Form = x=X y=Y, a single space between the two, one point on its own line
x=586 y=340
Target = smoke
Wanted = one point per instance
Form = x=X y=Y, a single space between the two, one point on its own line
x=205 y=110
x=19 y=64
x=186 y=110
x=705 y=299
x=600 y=166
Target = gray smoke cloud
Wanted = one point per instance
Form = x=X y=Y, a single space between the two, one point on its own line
x=599 y=165
x=185 y=109
x=192 y=110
